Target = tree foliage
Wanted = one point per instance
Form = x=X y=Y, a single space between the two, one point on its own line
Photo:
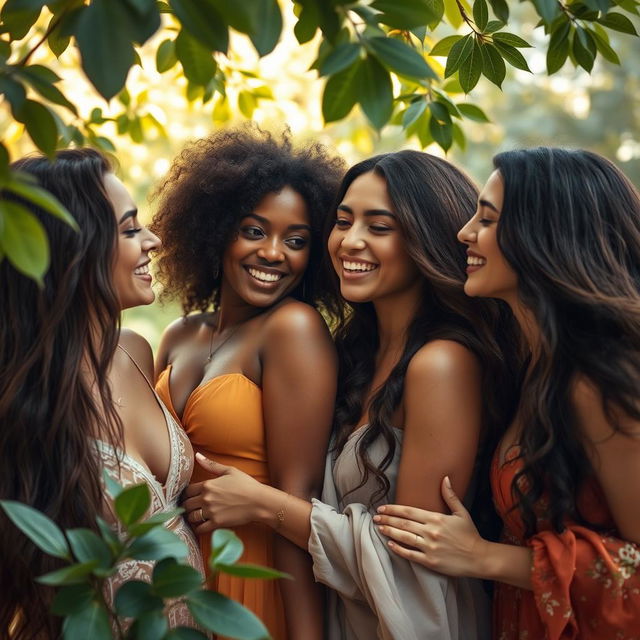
x=403 y=62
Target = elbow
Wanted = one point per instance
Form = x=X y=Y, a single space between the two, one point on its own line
x=306 y=490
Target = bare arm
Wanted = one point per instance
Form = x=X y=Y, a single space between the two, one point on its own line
x=299 y=382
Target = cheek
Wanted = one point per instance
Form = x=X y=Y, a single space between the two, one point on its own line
x=300 y=259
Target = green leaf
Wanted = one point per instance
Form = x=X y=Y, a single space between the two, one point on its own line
x=406 y=14
x=203 y=20
x=72 y=599
x=42 y=531
x=472 y=112
x=87 y=547
x=226 y=547
x=493 y=25
x=144 y=20
x=36 y=76
x=509 y=38
x=443 y=98
x=132 y=503
x=154 y=521
x=114 y=489
x=618 y=22
x=558 y=48
x=268 y=27
x=196 y=60
x=136 y=597
x=604 y=48
x=343 y=56
x=340 y=94
x=583 y=55
x=150 y=626
x=480 y=14
x=157 y=544
x=248 y=570
x=471 y=68
x=547 y=9
x=512 y=56
x=443 y=47
x=376 y=92
x=500 y=10
x=442 y=133
x=18 y=16
x=185 y=633
x=459 y=53
x=171 y=580
x=90 y=622
x=413 y=112
x=166 y=56
x=225 y=617
x=4 y=167
x=110 y=537
x=103 y=33
x=14 y=92
x=73 y=574
x=40 y=125
x=400 y=58
x=493 y=66
x=246 y=103
x=459 y=137
x=308 y=23
x=41 y=198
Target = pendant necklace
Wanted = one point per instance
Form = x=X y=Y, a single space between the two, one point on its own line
x=212 y=351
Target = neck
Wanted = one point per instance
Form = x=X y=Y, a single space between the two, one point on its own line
x=233 y=310
x=394 y=316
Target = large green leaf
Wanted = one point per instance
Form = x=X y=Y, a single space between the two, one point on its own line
x=91 y=622
x=150 y=626
x=157 y=544
x=547 y=9
x=406 y=14
x=132 y=503
x=510 y=38
x=87 y=546
x=512 y=56
x=40 y=125
x=166 y=56
x=224 y=616
x=413 y=112
x=558 y=48
x=196 y=60
x=480 y=14
x=44 y=87
x=493 y=67
x=73 y=574
x=226 y=547
x=443 y=47
x=584 y=56
x=171 y=580
x=153 y=521
x=618 y=22
x=42 y=531
x=136 y=597
x=203 y=20
x=18 y=16
x=500 y=9
x=308 y=22
x=343 y=56
x=268 y=26
x=104 y=34
x=472 y=112
x=471 y=68
x=340 y=93
x=602 y=43
x=458 y=54
x=376 y=92
x=72 y=599
x=400 y=57
x=248 y=570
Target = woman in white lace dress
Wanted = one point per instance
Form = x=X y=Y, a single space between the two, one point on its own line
x=75 y=396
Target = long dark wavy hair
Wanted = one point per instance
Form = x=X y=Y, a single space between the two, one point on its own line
x=570 y=228
x=54 y=393
x=218 y=180
x=431 y=200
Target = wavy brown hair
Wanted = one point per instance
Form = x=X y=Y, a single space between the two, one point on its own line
x=431 y=200
x=53 y=380
x=570 y=228
x=217 y=181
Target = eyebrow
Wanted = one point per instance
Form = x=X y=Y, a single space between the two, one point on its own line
x=132 y=213
x=265 y=221
x=368 y=212
x=489 y=205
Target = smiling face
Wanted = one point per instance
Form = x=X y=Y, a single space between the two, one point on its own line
x=268 y=257
x=489 y=275
x=367 y=246
x=131 y=277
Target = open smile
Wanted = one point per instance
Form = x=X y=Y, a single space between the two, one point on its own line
x=142 y=272
x=475 y=262
x=264 y=276
x=356 y=268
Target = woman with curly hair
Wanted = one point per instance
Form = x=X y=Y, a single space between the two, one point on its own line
x=252 y=373
x=423 y=390
x=557 y=236
x=75 y=392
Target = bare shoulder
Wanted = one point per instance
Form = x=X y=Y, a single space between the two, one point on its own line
x=294 y=318
x=182 y=328
x=442 y=359
x=139 y=349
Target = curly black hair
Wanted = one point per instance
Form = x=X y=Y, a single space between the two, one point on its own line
x=218 y=180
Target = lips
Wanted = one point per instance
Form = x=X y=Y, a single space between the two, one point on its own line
x=264 y=275
x=142 y=270
x=475 y=261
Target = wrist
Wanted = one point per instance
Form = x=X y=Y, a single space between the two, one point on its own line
x=485 y=563
x=270 y=506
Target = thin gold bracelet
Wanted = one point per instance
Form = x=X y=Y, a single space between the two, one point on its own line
x=281 y=513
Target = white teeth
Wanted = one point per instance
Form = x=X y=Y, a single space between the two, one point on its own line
x=265 y=277
x=142 y=271
x=358 y=266
x=476 y=262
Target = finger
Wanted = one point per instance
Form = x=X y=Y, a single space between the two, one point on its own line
x=191 y=504
x=409 y=513
x=408 y=554
x=205 y=527
x=453 y=502
x=398 y=523
x=195 y=517
x=212 y=466
x=193 y=490
x=407 y=538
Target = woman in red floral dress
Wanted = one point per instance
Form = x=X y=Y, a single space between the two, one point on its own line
x=557 y=236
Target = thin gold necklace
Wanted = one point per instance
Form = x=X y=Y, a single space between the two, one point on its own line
x=212 y=351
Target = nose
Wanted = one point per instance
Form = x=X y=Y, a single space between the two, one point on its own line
x=151 y=241
x=270 y=251
x=468 y=234
x=352 y=238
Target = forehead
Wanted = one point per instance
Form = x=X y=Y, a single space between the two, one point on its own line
x=285 y=206
x=368 y=191
x=118 y=195
x=493 y=190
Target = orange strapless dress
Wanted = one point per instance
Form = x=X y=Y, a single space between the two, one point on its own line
x=223 y=419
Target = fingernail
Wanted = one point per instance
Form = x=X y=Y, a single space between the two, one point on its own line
x=447 y=482
x=376 y=518
x=381 y=509
x=199 y=455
